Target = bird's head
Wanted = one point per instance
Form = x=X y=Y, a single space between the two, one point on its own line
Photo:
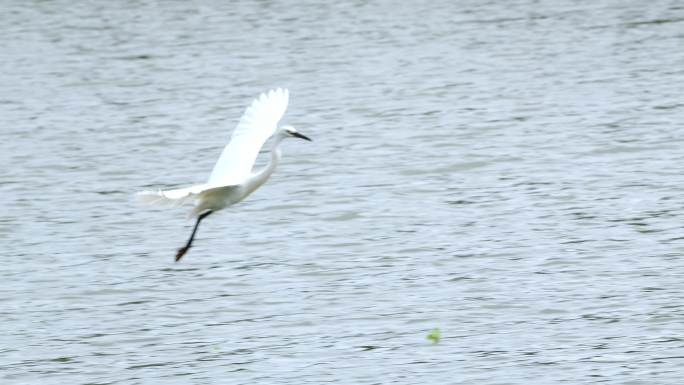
x=289 y=131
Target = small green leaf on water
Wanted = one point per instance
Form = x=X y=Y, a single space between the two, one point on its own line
x=434 y=335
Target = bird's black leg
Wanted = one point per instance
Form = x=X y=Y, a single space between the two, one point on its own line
x=181 y=252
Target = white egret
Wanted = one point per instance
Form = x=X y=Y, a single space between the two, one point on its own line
x=231 y=180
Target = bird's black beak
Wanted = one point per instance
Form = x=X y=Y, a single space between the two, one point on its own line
x=300 y=136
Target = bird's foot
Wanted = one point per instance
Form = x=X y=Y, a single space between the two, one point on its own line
x=181 y=252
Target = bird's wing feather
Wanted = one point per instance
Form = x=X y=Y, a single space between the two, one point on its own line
x=257 y=124
x=175 y=197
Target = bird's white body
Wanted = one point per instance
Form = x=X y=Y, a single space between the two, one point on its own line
x=232 y=179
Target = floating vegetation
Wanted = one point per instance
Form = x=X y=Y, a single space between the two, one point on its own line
x=435 y=335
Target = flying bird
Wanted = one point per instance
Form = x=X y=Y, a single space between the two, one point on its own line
x=232 y=179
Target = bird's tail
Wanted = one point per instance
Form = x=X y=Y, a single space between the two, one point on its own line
x=169 y=197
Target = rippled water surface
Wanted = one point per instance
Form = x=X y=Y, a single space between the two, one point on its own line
x=508 y=172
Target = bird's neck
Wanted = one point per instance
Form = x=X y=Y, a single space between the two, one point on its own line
x=262 y=176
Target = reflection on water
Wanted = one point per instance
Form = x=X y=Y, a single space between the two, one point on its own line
x=510 y=174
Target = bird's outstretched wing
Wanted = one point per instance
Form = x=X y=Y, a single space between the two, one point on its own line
x=174 y=197
x=256 y=125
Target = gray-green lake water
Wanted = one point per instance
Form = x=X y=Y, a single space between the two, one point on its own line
x=509 y=172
